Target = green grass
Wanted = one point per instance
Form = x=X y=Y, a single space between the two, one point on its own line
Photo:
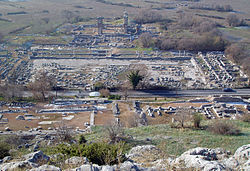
x=174 y=142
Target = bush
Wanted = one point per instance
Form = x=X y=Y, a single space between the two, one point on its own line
x=4 y=150
x=104 y=92
x=14 y=140
x=64 y=133
x=82 y=139
x=224 y=128
x=98 y=153
x=115 y=131
x=246 y=118
x=197 y=118
x=234 y=21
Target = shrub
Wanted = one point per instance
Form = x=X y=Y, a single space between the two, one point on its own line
x=246 y=118
x=82 y=139
x=4 y=150
x=14 y=140
x=98 y=153
x=182 y=116
x=115 y=131
x=224 y=128
x=64 y=133
x=197 y=118
x=104 y=92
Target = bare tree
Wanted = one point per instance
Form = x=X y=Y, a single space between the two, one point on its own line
x=124 y=88
x=233 y=20
x=42 y=84
x=115 y=131
x=147 y=16
x=64 y=133
x=104 y=92
x=182 y=116
x=236 y=52
x=10 y=91
x=146 y=40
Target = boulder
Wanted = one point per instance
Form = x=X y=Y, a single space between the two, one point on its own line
x=16 y=165
x=46 y=167
x=36 y=147
x=6 y=159
x=199 y=158
x=242 y=154
x=231 y=163
x=109 y=168
x=76 y=160
x=37 y=157
x=88 y=167
x=245 y=166
x=139 y=150
x=214 y=166
x=127 y=165
x=7 y=129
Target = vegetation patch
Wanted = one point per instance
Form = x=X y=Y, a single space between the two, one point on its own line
x=4 y=150
x=224 y=128
x=98 y=153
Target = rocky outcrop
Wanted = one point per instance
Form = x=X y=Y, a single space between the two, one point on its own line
x=76 y=161
x=242 y=154
x=16 y=165
x=214 y=159
x=46 y=167
x=139 y=151
x=197 y=159
x=85 y=167
x=32 y=160
x=240 y=160
x=37 y=157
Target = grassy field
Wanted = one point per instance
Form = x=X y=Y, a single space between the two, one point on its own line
x=174 y=142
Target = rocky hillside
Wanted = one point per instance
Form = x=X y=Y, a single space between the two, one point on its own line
x=143 y=158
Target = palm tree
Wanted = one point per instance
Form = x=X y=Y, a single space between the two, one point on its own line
x=134 y=78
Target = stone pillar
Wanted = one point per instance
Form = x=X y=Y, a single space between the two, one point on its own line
x=100 y=25
x=125 y=22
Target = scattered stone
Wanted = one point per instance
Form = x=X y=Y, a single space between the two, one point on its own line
x=127 y=165
x=76 y=160
x=16 y=166
x=7 y=129
x=20 y=117
x=35 y=148
x=109 y=168
x=6 y=159
x=88 y=167
x=46 y=167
